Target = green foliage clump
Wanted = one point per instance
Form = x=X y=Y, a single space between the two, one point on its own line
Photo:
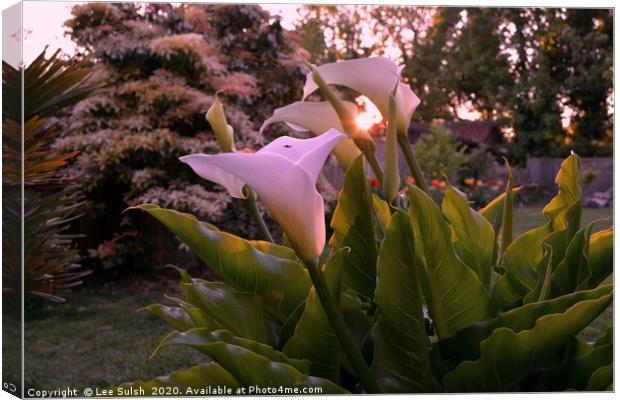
x=439 y=152
x=476 y=176
x=440 y=299
x=162 y=66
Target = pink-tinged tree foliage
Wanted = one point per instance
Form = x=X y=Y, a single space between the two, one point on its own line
x=162 y=66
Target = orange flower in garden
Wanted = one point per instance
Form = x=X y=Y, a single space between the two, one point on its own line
x=247 y=150
x=436 y=183
x=479 y=182
x=500 y=183
x=410 y=180
x=470 y=182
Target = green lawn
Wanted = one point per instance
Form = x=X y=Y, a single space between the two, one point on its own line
x=526 y=218
x=97 y=338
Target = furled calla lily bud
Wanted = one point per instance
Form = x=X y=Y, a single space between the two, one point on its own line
x=317 y=117
x=391 y=175
x=284 y=175
x=372 y=77
x=223 y=131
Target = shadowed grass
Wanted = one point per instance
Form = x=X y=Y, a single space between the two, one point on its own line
x=98 y=339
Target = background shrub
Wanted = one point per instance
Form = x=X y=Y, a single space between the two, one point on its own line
x=162 y=66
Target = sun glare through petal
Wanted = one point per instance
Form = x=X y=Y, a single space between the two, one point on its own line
x=369 y=113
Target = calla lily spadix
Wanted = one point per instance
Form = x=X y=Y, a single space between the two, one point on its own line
x=284 y=175
x=223 y=132
x=374 y=78
x=317 y=117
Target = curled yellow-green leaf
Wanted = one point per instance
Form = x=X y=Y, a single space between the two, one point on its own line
x=508 y=209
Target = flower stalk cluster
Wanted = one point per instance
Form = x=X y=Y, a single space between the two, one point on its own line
x=284 y=173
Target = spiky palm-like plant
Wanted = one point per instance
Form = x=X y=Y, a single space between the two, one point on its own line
x=50 y=199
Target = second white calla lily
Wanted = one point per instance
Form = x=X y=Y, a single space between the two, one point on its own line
x=283 y=174
x=317 y=117
x=374 y=78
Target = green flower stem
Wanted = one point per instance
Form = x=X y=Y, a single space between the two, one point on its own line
x=250 y=204
x=414 y=167
x=342 y=332
x=374 y=165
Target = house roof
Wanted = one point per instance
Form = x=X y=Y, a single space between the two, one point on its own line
x=474 y=132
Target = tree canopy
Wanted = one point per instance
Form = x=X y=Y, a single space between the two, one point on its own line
x=526 y=68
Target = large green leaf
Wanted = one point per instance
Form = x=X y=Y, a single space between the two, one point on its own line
x=184 y=315
x=601 y=256
x=554 y=247
x=573 y=273
x=314 y=338
x=474 y=234
x=185 y=382
x=177 y=317
x=382 y=215
x=543 y=286
x=494 y=211
x=572 y=374
x=199 y=318
x=506 y=356
x=602 y=379
x=520 y=263
x=275 y=250
x=455 y=296
x=288 y=327
x=252 y=369
x=607 y=338
x=353 y=228
x=239 y=312
x=235 y=368
x=200 y=337
x=465 y=345
x=401 y=359
x=266 y=269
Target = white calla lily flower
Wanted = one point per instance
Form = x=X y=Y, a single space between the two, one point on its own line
x=317 y=117
x=374 y=78
x=283 y=174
